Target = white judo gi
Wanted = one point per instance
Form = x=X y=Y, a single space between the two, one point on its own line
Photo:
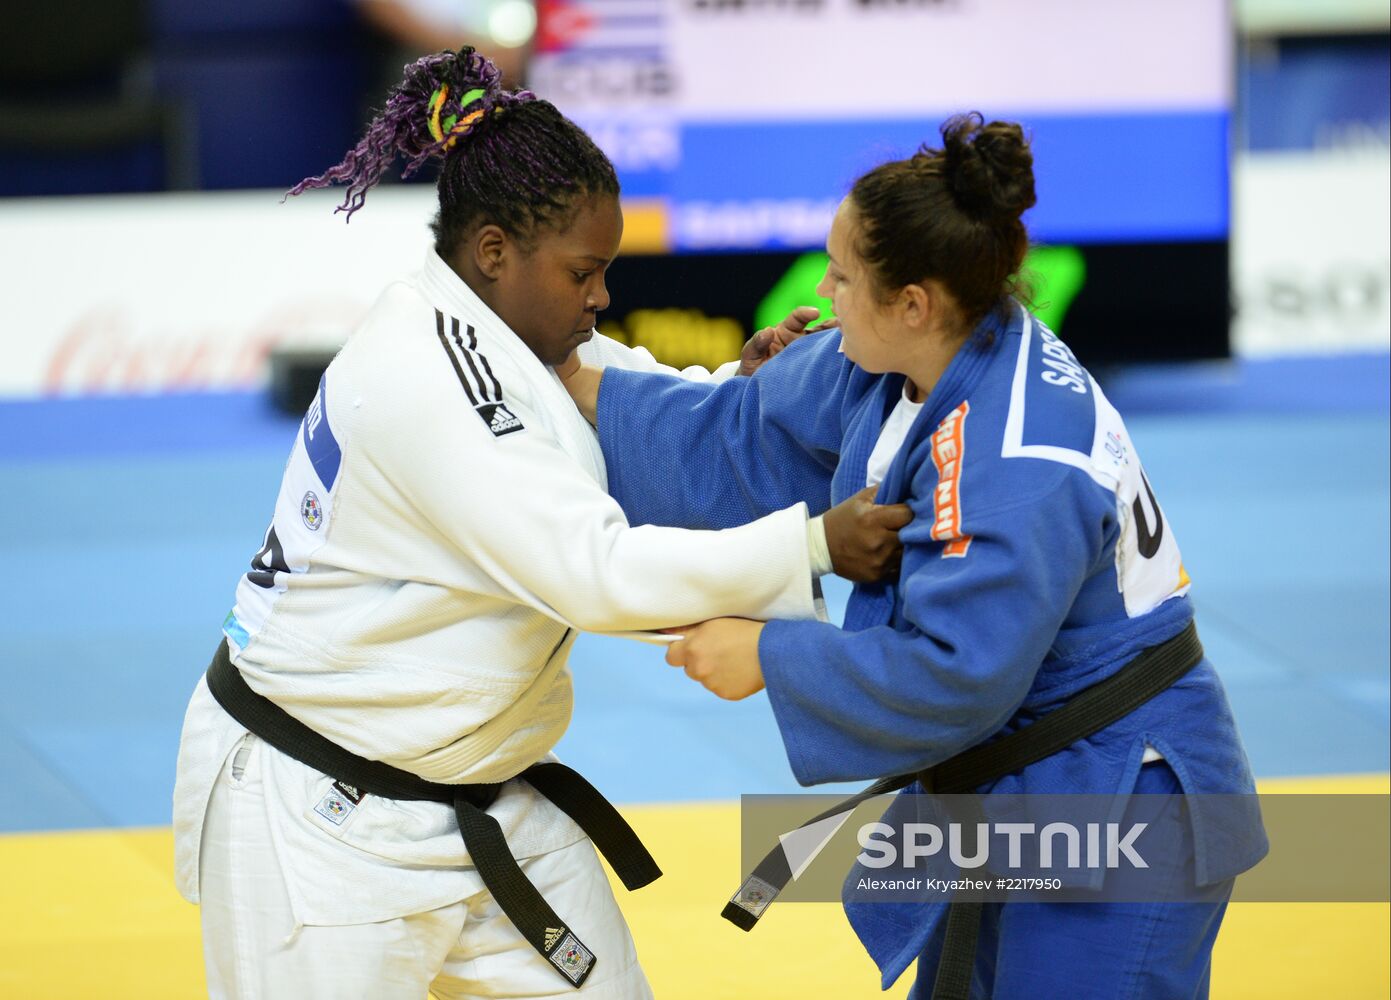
x=441 y=534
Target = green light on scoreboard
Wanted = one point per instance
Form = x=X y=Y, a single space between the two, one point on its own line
x=797 y=287
x=1057 y=274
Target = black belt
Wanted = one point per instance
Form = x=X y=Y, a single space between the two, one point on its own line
x=1087 y=712
x=483 y=837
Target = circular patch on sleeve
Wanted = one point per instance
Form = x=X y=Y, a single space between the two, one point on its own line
x=311 y=511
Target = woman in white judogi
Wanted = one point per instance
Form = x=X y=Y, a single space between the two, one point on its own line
x=441 y=533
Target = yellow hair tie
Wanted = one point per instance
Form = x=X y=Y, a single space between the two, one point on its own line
x=437 y=130
x=464 y=125
x=436 y=104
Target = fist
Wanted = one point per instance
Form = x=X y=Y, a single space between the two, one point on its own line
x=862 y=537
x=722 y=655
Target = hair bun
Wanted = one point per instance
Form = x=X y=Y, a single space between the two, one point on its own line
x=988 y=167
x=424 y=117
x=432 y=91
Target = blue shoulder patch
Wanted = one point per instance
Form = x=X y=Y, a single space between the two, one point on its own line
x=319 y=442
x=1059 y=408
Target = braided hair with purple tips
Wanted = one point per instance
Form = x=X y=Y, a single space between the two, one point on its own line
x=509 y=158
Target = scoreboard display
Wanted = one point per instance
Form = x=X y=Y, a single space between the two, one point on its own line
x=738 y=125
x=744 y=121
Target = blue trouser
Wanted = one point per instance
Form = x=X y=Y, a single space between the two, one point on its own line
x=1098 y=951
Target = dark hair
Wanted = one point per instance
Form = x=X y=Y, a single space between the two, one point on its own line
x=509 y=158
x=952 y=214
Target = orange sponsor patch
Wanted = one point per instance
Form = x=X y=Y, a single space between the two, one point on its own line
x=948 y=452
x=956 y=548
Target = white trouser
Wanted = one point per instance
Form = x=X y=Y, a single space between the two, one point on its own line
x=253 y=949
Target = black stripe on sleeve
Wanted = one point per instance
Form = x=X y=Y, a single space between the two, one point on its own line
x=468 y=356
x=473 y=345
x=444 y=342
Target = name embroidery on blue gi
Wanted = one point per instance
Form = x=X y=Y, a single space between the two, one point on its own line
x=1064 y=367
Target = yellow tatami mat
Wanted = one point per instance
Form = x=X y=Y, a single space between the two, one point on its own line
x=94 y=914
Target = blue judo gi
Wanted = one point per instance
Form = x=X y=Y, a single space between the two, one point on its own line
x=1037 y=564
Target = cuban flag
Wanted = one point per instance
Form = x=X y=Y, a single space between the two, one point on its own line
x=596 y=28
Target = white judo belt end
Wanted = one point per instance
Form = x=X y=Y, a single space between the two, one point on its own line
x=568 y=954
x=748 y=904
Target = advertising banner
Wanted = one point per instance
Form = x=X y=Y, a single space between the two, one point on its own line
x=178 y=293
x=1311 y=263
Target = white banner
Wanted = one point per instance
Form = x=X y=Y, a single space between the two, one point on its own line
x=180 y=292
x=752 y=60
x=172 y=293
x=733 y=60
x=1311 y=263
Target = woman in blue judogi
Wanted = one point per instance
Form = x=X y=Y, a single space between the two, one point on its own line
x=1038 y=564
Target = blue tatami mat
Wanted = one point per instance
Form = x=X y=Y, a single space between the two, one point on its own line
x=125 y=523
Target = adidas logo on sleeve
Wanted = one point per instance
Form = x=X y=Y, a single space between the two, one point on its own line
x=476 y=376
x=499 y=418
